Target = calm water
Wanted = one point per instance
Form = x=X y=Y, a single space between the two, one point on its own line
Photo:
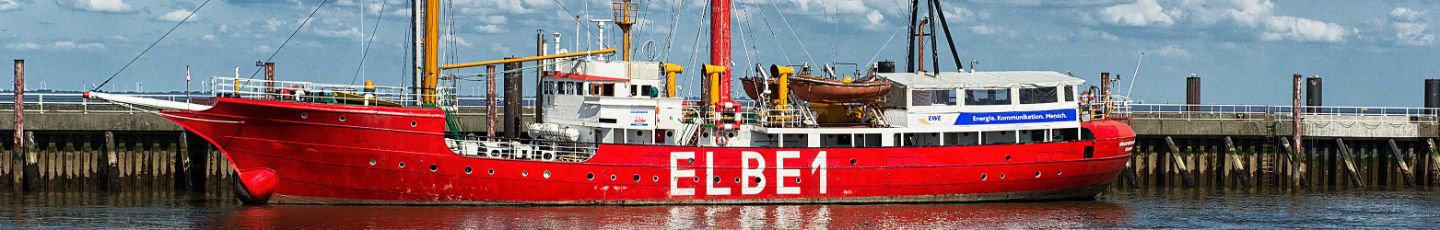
x=1410 y=209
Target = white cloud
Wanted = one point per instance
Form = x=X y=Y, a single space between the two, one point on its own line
x=1280 y=28
x=1411 y=28
x=177 y=15
x=8 y=5
x=58 y=45
x=208 y=37
x=263 y=49
x=1139 y=13
x=24 y=46
x=1173 y=51
x=67 y=45
x=1257 y=15
x=350 y=32
x=106 y=6
x=985 y=29
x=1406 y=14
x=489 y=29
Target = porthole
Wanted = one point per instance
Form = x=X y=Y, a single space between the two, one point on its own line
x=716 y=179
x=983 y=177
x=695 y=179
x=413 y=123
x=758 y=180
x=434 y=168
x=655 y=178
x=737 y=180
x=636 y=177
x=1037 y=174
x=467 y=170
x=852 y=161
x=342 y=118
x=1007 y=157
x=402 y=164
x=304 y=115
x=690 y=161
x=524 y=173
x=1002 y=176
x=669 y=134
x=732 y=135
x=492 y=171
x=589 y=176
x=797 y=180
x=638 y=133
x=705 y=135
x=372 y=162
x=612 y=177
x=1059 y=172
x=547 y=174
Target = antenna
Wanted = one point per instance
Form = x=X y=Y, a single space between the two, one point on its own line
x=1134 y=77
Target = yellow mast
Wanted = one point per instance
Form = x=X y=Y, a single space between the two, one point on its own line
x=431 y=48
x=624 y=11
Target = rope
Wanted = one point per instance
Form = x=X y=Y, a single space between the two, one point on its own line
x=792 y=31
x=127 y=105
x=366 y=51
x=292 y=36
x=152 y=45
x=775 y=37
x=882 y=46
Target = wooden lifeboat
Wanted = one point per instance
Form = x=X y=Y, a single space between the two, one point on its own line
x=819 y=90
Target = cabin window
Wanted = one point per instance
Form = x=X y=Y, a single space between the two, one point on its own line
x=837 y=140
x=634 y=91
x=795 y=140
x=1086 y=134
x=868 y=140
x=987 y=96
x=549 y=88
x=961 y=138
x=1069 y=93
x=999 y=137
x=1038 y=95
x=1032 y=136
x=649 y=91
x=1060 y=135
x=607 y=90
x=933 y=97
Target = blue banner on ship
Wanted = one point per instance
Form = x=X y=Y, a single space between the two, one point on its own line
x=1014 y=117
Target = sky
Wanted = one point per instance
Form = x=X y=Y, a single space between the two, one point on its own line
x=1369 y=52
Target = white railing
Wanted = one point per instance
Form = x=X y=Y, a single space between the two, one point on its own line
x=308 y=91
x=1247 y=112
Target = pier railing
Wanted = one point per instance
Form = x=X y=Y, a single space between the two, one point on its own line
x=1260 y=112
x=77 y=103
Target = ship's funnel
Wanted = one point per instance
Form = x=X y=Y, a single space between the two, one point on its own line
x=146 y=102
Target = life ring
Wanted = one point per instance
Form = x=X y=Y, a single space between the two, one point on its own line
x=721 y=140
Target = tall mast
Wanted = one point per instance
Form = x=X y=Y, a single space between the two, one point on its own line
x=720 y=43
x=430 y=47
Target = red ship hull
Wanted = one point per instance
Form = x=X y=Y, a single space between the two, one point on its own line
x=319 y=153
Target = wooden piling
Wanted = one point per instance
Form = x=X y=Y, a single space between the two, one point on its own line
x=1185 y=178
x=1401 y=165
x=1349 y=162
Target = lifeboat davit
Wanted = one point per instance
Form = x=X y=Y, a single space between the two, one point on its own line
x=820 y=90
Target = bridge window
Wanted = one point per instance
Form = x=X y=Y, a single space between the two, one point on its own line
x=933 y=97
x=1038 y=95
x=987 y=96
x=1069 y=93
x=999 y=137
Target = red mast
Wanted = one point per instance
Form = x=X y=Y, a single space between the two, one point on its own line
x=720 y=43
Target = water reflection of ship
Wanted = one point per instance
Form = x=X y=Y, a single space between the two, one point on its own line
x=1083 y=214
